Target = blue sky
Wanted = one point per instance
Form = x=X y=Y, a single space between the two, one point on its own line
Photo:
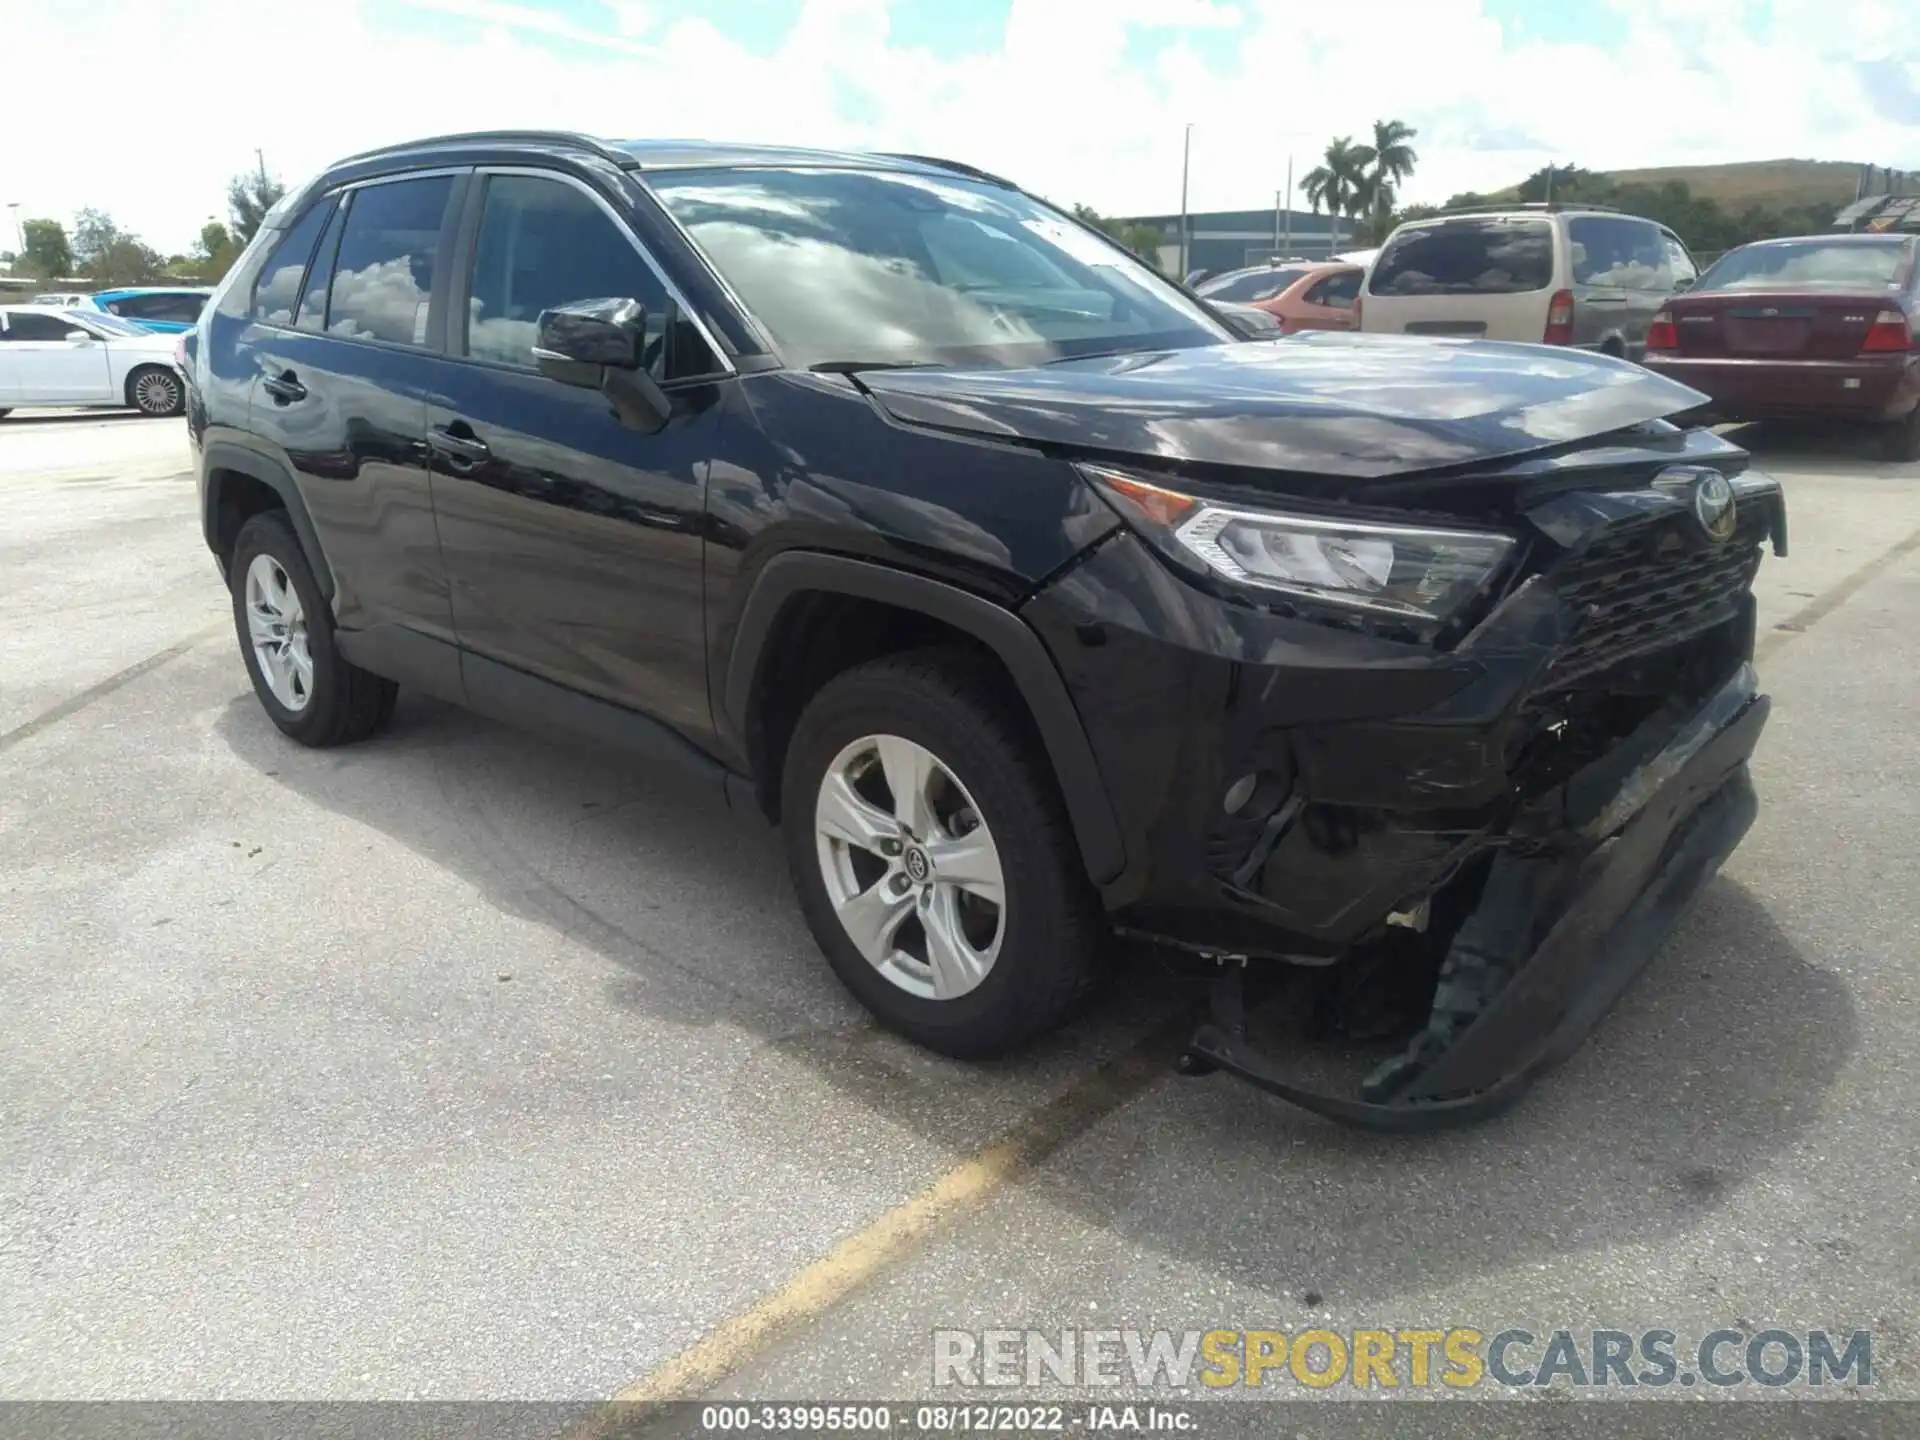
x=1081 y=99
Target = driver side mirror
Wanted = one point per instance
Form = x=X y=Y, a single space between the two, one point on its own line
x=600 y=345
x=78 y=337
x=1682 y=283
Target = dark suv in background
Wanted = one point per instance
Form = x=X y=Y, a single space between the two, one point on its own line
x=987 y=563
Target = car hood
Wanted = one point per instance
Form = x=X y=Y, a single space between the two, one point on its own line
x=1359 y=406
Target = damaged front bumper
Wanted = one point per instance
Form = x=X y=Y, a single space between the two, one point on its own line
x=1587 y=884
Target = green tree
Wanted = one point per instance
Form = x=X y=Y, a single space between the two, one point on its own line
x=1339 y=182
x=214 y=252
x=249 y=198
x=109 y=255
x=48 y=253
x=1388 y=161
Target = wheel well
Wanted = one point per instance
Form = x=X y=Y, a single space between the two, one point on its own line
x=240 y=497
x=820 y=635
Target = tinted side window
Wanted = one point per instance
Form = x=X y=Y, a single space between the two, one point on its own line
x=36 y=327
x=1678 y=261
x=1336 y=290
x=278 y=287
x=543 y=243
x=312 y=314
x=1489 y=255
x=383 y=271
x=1617 y=252
x=184 y=308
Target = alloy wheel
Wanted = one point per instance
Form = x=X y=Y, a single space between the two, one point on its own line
x=277 y=630
x=156 y=393
x=911 y=869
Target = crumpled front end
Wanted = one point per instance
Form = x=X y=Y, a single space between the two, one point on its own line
x=1529 y=807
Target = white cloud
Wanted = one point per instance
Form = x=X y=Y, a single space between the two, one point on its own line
x=1066 y=105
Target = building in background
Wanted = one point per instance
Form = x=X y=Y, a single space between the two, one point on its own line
x=1228 y=239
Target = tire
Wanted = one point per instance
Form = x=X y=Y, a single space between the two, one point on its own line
x=1900 y=441
x=156 y=390
x=319 y=698
x=4 y=414
x=1047 y=927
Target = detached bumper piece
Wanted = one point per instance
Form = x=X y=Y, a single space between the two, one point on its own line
x=1585 y=886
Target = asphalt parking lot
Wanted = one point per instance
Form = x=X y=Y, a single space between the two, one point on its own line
x=458 y=1064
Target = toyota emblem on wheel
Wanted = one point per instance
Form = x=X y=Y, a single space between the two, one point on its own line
x=1713 y=505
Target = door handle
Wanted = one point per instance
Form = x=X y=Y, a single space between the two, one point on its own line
x=284 y=387
x=457 y=449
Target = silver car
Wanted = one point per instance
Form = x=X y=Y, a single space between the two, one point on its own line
x=1556 y=275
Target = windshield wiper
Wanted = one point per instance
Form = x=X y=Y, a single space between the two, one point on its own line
x=854 y=367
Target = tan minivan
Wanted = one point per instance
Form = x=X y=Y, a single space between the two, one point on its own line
x=1549 y=274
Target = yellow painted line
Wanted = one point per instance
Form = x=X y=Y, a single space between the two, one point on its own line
x=898 y=1233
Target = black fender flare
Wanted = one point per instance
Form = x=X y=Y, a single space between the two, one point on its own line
x=220 y=457
x=1095 y=827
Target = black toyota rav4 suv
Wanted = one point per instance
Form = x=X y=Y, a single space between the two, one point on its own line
x=1028 y=600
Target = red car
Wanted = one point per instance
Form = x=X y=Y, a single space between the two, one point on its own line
x=1813 y=327
x=1301 y=295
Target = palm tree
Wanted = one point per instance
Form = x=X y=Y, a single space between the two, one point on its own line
x=1388 y=160
x=1340 y=182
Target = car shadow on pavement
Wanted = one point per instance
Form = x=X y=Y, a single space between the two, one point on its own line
x=1720 y=1058
x=646 y=867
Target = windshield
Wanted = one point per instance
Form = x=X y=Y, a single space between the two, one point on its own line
x=102 y=323
x=1250 y=285
x=888 y=268
x=1811 y=264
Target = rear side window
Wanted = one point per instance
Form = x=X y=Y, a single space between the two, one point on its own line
x=312 y=314
x=1336 y=290
x=1679 y=262
x=35 y=327
x=1617 y=252
x=543 y=243
x=1256 y=285
x=278 y=286
x=1483 y=255
x=383 y=271
x=162 y=306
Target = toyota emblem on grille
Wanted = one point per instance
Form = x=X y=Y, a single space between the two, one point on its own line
x=1713 y=505
x=1707 y=492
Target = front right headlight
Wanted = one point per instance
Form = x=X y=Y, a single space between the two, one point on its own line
x=1414 y=572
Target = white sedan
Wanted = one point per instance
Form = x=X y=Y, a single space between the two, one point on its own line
x=59 y=357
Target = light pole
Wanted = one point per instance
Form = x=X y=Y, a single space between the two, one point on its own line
x=19 y=235
x=1186 y=160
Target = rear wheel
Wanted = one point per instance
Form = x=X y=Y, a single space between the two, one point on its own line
x=312 y=692
x=933 y=858
x=1901 y=439
x=156 y=390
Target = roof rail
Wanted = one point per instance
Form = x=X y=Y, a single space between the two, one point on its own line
x=1542 y=207
x=465 y=137
x=958 y=166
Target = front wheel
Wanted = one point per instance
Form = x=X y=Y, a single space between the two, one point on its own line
x=933 y=857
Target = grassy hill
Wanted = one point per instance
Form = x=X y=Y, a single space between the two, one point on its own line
x=1772 y=183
